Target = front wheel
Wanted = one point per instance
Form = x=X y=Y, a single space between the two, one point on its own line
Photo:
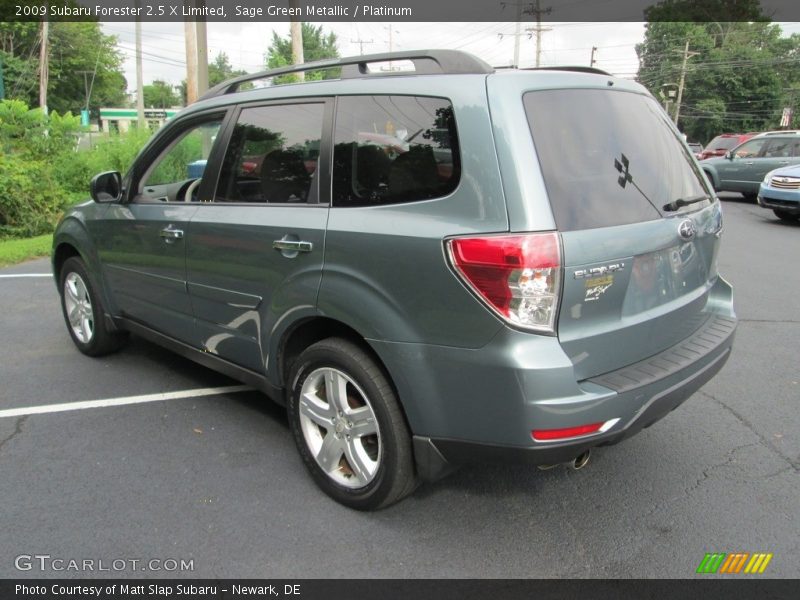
x=83 y=311
x=785 y=216
x=348 y=426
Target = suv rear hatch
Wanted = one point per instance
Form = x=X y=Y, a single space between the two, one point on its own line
x=637 y=272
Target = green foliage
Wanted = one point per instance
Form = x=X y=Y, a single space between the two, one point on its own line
x=173 y=166
x=29 y=197
x=743 y=74
x=221 y=69
x=74 y=47
x=41 y=171
x=160 y=94
x=114 y=152
x=31 y=144
x=316 y=46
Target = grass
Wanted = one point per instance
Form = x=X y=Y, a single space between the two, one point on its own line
x=13 y=251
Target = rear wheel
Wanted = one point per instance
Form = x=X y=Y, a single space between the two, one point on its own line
x=84 y=313
x=785 y=216
x=348 y=426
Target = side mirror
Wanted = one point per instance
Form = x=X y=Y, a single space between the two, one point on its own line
x=729 y=155
x=106 y=187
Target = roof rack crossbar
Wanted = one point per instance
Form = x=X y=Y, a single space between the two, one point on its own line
x=425 y=62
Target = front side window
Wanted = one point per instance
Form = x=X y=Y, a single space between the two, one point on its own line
x=272 y=155
x=751 y=149
x=179 y=169
x=391 y=149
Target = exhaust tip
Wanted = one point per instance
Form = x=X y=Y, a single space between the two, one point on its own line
x=581 y=460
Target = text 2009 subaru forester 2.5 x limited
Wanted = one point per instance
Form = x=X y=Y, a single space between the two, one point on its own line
x=428 y=268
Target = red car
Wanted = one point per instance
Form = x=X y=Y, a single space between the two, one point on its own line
x=724 y=142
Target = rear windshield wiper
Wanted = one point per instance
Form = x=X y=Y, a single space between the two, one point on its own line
x=676 y=204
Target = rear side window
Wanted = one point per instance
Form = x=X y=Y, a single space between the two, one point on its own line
x=391 y=149
x=608 y=158
x=272 y=155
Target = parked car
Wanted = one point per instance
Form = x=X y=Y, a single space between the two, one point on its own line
x=780 y=192
x=724 y=142
x=743 y=168
x=441 y=293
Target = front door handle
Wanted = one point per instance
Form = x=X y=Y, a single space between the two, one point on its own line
x=293 y=245
x=170 y=235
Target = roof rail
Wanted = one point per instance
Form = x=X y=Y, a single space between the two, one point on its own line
x=574 y=69
x=426 y=62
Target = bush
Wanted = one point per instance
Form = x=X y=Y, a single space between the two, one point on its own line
x=113 y=153
x=30 y=199
x=41 y=172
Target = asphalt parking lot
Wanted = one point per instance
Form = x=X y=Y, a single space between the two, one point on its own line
x=215 y=479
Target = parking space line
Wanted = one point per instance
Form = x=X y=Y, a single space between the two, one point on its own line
x=10 y=276
x=67 y=406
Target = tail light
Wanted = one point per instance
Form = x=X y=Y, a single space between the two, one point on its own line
x=517 y=276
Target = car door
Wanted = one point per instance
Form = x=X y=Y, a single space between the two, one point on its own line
x=255 y=245
x=141 y=242
x=739 y=171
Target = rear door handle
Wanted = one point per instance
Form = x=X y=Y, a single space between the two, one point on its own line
x=293 y=245
x=170 y=235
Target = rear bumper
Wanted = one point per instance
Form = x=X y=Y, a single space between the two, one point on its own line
x=436 y=456
x=635 y=397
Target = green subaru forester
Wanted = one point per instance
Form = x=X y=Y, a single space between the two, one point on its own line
x=427 y=267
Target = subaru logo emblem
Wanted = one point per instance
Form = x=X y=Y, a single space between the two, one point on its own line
x=686 y=229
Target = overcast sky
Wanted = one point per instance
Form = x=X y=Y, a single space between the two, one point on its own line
x=246 y=43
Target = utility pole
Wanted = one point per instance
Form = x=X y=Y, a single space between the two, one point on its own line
x=140 y=122
x=196 y=55
x=538 y=11
x=517 y=33
x=391 y=46
x=43 y=67
x=361 y=43
x=592 y=61
x=296 y=29
x=202 y=53
x=517 y=30
x=190 y=36
x=686 y=56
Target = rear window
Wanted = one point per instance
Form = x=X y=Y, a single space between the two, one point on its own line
x=608 y=158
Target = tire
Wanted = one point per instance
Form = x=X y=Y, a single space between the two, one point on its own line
x=84 y=313
x=785 y=216
x=356 y=447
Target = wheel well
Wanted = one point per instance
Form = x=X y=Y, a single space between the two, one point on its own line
x=710 y=176
x=310 y=332
x=316 y=329
x=62 y=253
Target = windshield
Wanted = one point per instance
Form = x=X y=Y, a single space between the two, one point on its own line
x=609 y=157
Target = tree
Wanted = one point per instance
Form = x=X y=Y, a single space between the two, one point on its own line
x=316 y=46
x=740 y=78
x=218 y=71
x=74 y=47
x=160 y=94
